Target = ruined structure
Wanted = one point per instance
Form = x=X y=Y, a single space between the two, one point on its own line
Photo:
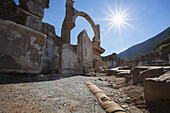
x=112 y=61
x=159 y=55
x=32 y=46
x=69 y=24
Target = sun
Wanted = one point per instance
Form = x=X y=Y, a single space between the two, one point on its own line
x=117 y=19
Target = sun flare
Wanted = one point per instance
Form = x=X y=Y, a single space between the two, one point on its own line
x=118 y=19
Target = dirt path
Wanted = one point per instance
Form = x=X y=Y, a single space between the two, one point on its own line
x=66 y=95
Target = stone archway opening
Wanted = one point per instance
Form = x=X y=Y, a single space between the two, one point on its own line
x=88 y=18
x=81 y=24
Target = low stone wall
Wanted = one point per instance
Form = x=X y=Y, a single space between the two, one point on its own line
x=70 y=62
x=21 y=50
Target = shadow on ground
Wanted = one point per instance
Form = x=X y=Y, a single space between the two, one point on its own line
x=13 y=79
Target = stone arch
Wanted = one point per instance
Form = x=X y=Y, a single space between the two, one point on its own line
x=88 y=18
x=69 y=23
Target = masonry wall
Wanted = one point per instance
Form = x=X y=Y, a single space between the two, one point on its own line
x=84 y=49
x=21 y=50
x=70 y=62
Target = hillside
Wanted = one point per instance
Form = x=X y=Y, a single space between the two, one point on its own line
x=146 y=46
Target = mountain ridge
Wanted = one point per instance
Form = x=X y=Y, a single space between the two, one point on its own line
x=144 y=47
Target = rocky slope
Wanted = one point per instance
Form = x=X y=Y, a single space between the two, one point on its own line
x=146 y=46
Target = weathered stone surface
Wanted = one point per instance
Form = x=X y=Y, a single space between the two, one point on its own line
x=34 y=23
x=21 y=48
x=117 y=72
x=51 y=56
x=69 y=24
x=53 y=44
x=25 y=13
x=157 y=93
x=49 y=30
x=8 y=11
x=42 y=3
x=139 y=73
x=112 y=61
x=34 y=8
x=97 y=59
x=40 y=26
x=123 y=73
x=125 y=68
x=135 y=72
x=70 y=62
x=150 y=73
x=84 y=50
x=112 y=71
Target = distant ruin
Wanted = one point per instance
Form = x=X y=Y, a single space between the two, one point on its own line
x=32 y=46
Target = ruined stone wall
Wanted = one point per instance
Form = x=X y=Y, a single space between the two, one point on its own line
x=70 y=62
x=34 y=13
x=159 y=55
x=112 y=61
x=21 y=48
x=84 y=49
x=8 y=11
x=30 y=13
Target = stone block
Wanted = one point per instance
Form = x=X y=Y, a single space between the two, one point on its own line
x=123 y=73
x=70 y=62
x=35 y=24
x=110 y=72
x=8 y=11
x=157 y=93
x=34 y=8
x=42 y=3
x=21 y=50
x=84 y=49
x=49 y=30
x=40 y=26
x=135 y=72
x=150 y=73
x=51 y=56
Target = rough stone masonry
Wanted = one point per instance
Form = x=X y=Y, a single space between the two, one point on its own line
x=31 y=46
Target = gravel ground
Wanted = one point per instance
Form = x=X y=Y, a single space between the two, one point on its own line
x=130 y=97
x=66 y=95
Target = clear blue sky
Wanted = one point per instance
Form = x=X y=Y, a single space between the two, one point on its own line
x=147 y=18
